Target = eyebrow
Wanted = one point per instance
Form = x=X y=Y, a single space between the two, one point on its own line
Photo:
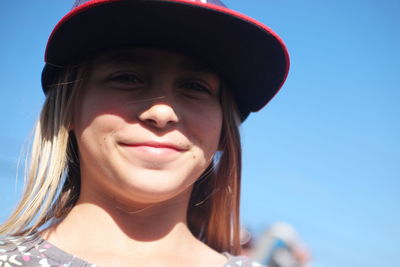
x=126 y=57
x=195 y=66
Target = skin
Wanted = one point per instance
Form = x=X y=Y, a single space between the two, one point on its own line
x=147 y=126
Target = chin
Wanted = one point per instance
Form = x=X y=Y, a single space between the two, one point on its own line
x=152 y=186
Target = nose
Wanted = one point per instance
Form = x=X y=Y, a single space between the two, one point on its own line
x=159 y=115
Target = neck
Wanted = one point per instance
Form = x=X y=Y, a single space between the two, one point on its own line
x=136 y=221
x=113 y=233
x=112 y=226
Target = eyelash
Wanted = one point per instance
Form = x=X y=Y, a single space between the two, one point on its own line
x=189 y=86
x=126 y=78
x=196 y=86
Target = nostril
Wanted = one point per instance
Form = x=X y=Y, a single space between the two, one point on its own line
x=159 y=115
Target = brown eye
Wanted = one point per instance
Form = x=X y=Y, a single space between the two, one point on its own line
x=126 y=78
x=195 y=87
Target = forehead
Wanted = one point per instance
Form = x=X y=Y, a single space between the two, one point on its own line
x=151 y=56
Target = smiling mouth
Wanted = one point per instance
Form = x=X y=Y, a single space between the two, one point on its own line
x=155 y=149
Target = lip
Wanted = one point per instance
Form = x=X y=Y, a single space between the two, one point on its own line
x=150 y=151
x=156 y=145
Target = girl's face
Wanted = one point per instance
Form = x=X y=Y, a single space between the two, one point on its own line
x=147 y=125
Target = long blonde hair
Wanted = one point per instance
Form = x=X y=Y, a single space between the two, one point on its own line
x=53 y=179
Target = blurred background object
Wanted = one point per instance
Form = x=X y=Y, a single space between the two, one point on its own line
x=278 y=246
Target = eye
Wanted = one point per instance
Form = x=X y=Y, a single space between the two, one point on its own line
x=126 y=78
x=195 y=87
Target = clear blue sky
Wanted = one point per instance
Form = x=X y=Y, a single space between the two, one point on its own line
x=325 y=153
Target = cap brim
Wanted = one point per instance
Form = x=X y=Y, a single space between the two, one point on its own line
x=250 y=57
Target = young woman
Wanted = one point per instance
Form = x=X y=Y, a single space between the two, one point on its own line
x=136 y=155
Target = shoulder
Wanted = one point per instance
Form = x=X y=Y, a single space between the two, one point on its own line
x=23 y=251
x=242 y=261
x=16 y=251
x=33 y=251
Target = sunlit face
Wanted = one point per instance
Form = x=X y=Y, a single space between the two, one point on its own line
x=148 y=125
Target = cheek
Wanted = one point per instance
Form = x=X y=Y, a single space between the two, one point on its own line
x=206 y=127
x=96 y=144
x=97 y=113
x=94 y=127
x=100 y=129
x=85 y=114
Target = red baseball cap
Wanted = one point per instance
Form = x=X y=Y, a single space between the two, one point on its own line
x=250 y=57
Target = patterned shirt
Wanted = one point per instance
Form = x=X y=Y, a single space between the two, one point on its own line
x=34 y=251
